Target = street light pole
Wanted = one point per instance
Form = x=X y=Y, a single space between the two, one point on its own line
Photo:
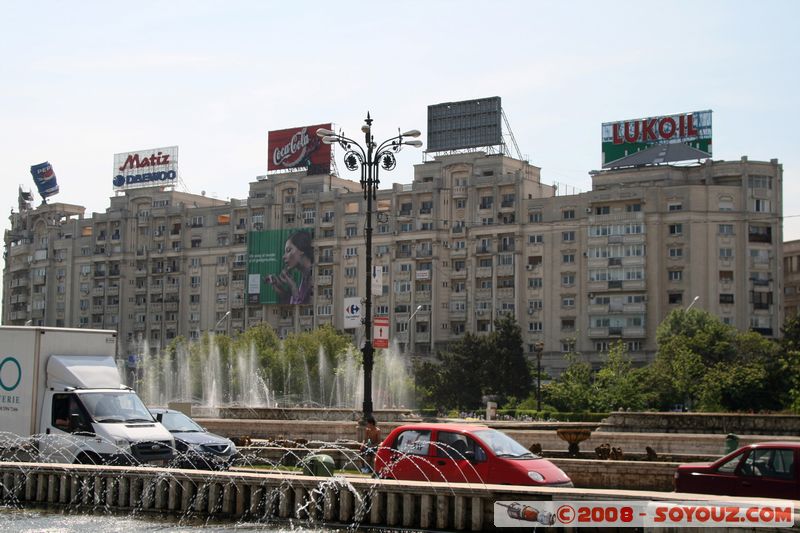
x=226 y=315
x=538 y=348
x=408 y=330
x=369 y=161
x=693 y=302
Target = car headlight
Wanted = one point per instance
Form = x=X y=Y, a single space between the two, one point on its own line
x=536 y=476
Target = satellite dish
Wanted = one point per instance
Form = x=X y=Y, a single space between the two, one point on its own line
x=203 y=193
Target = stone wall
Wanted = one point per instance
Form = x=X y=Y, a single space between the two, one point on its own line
x=720 y=423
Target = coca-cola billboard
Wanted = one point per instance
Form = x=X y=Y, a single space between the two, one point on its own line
x=297 y=148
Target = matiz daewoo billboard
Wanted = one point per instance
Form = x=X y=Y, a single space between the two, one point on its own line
x=146 y=168
x=645 y=138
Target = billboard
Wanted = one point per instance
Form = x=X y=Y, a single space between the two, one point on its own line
x=279 y=267
x=45 y=179
x=652 y=140
x=298 y=148
x=465 y=124
x=146 y=168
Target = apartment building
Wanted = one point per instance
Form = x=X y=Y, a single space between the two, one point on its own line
x=474 y=236
x=791 y=277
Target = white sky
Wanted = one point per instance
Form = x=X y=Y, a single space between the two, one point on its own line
x=82 y=81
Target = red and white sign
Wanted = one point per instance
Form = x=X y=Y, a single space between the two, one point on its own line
x=146 y=168
x=298 y=148
x=380 y=332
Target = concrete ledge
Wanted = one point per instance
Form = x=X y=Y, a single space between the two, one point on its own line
x=720 y=423
x=269 y=498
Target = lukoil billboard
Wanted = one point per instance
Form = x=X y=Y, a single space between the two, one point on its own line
x=625 y=138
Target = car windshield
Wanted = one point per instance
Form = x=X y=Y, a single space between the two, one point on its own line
x=180 y=423
x=115 y=407
x=502 y=445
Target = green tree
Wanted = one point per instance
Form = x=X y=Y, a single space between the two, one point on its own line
x=477 y=366
x=572 y=390
x=506 y=372
x=617 y=384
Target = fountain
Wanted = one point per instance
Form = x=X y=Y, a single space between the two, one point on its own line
x=217 y=372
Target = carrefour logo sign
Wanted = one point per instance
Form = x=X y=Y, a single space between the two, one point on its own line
x=10 y=373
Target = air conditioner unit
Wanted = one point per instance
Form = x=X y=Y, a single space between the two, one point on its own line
x=480 y=311
x=531 y=310
x=588 y=210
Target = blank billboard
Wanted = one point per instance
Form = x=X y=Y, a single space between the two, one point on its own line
x=465 y=124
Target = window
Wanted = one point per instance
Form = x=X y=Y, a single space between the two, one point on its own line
x=725 y=253
x=568 y=258
x=535 y=216
x=324 y=310
x=675 y=206
x=567 y=236
x=567 y=301
x=726 y=276
x=535 y=326
x=726 y=298
x=413 y=442
x=534 y=283
x=568 y=214
x=350 y=272
x=675 y=275
x=761 y=205
x=567 y=323
x=759 y=233
x=568 y=280
x=675 y=229
x=726 y=229
x=351 y=231
x=633 y=208
x=675 y=298
x=350 y=251
x=535 y=239
x=676 y=252
x=759 y=182
x=770 y=463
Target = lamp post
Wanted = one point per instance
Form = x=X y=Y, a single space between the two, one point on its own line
x=221 y=320
x=408 y=329
x=693 y=302
x=538 y=348
x=369 y=159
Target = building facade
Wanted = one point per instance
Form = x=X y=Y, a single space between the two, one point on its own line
x=474 y=236
x=791 y=278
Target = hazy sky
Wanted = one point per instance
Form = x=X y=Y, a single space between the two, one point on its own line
x=82 y=81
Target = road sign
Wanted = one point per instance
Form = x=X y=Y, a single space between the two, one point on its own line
x=380 y=332
x=352 y=313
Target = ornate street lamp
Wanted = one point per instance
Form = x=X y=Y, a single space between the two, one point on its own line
x=369 y=159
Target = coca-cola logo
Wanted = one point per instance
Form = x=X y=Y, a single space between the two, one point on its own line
x=294 y=151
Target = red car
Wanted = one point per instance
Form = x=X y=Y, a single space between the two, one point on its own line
x=462 y=453
x=766 y=469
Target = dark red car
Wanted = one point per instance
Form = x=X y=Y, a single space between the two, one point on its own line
x=462 y=453
x=766 y=469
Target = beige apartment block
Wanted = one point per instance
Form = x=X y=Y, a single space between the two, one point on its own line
x=473 y=237
x=791 y=278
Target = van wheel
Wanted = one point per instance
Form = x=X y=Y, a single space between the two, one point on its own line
x=88 y=458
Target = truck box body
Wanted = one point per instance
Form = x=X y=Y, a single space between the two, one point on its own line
x=48 y=373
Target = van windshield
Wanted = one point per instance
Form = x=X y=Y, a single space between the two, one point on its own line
x=115 y=407
x=502 y=445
